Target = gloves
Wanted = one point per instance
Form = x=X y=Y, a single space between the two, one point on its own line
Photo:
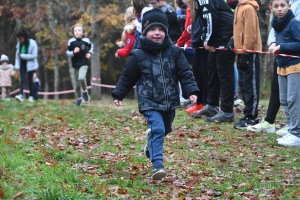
x=230 y=45
x=244 y=61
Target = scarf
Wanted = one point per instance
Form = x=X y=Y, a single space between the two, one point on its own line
x=147 y=44
x=280 y=24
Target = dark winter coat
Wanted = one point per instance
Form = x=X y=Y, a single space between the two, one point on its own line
x=217 y=18
x=156 y=71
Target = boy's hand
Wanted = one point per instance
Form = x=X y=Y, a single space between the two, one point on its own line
x=230 y=45
x=272 y=47
x=88 y=55
x=209 y=48
x=193 y=99
x=120 y=43
x=76 y=49
x=118 y=102
x=276 y=50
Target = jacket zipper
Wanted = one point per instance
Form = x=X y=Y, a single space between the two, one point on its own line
x=163 y=77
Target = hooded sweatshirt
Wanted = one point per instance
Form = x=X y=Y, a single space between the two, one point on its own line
x=246 y=33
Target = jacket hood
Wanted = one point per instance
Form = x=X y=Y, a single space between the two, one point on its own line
x=6 y=67
x=250 y=2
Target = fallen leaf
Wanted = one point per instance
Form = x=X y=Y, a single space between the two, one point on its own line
x=20 y=194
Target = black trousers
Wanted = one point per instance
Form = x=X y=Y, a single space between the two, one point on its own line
x=221 y=79
x=199 y=67
x=23 y=74
x=274 y=102
x=249 y=82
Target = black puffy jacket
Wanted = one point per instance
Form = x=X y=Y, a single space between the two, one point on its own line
x=156 y=75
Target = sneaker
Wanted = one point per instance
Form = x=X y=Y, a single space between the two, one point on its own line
x=19 y=97
x=158 y=173
x=220 y=117
x=86 y=96
x=206 y=112
x=245 y=122
x=283 y=131
x=264 y=126
x=289 y=140
x=146 y=149
x=237 y=100
x=30 y=99
x=194 y=108
x=78 y=103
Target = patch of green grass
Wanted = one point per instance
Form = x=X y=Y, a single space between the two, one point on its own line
x=55 y=150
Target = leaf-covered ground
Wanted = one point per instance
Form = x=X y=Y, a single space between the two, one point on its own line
x=54 y=150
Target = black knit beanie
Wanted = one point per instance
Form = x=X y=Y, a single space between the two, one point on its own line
x=154 y=17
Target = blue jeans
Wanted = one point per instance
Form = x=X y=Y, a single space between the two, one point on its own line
x=160 y=124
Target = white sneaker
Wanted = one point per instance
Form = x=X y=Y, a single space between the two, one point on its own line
x=19 y=97
x=264 y=126
x=30 y=99
x=289 y=140
x=283 y=131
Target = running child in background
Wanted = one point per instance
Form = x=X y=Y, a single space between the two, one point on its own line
x=80 y=48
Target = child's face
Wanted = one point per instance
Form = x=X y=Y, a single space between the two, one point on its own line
x=156 y=34
x=78 y=32
x=4 y=63
x=279 y=8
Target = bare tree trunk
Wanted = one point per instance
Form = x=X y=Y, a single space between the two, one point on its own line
x=95 y=60
x=81 y=6
x=51 y=22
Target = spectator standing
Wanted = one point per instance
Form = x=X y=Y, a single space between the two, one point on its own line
x=217 y=20
x=26 y=63
x=287 y=38
x=127 y=34
x=174 y=27
x=6 y=72
x=246 y=36
x=268 y=124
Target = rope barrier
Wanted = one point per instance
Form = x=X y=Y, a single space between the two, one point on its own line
x=66 y=91
x=250 y=51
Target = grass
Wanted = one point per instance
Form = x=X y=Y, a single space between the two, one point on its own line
x=54 y=150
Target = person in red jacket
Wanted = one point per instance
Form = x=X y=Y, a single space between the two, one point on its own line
x=127 y=36
x=185 y=41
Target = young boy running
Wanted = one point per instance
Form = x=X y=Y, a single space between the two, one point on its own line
x=155 y=67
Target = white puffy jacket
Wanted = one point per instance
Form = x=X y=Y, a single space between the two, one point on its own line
x=30 y=57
